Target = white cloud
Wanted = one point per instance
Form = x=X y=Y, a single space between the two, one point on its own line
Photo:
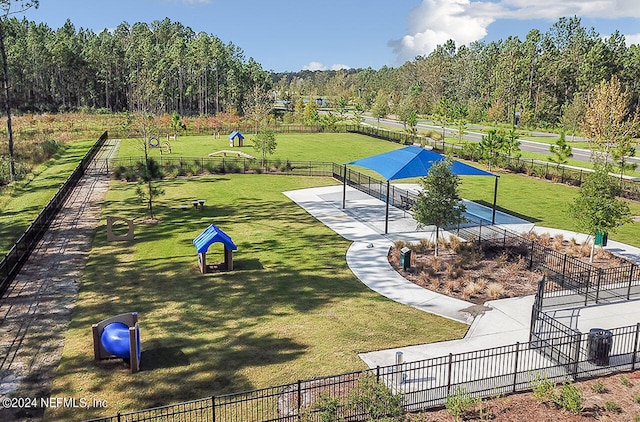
x=436 y=21
x=632 y=38
x=313 y=66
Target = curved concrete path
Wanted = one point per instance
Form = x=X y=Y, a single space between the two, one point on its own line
x=498 y=323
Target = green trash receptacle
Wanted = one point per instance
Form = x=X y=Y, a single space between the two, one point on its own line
x=405 y=258
x=601 y=238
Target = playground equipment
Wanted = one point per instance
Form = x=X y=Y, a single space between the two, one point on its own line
x=210 y=235
x=111 y=236
x=233 y=136
x=165 y=147
x=118 y=337
x=238 y=154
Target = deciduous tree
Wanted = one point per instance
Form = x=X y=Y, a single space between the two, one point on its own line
x=439 y=203
x=597 y=208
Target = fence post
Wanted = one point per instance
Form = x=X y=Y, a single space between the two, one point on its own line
x=449 y=374
x=586 y=290
x=377 y=373
x=633 y=266
x=299 y=397
x=504 y=240
x=577 y=339
x=533 y=243
x=635 y=348
x=564 y=268
x=515 y=367
x=480 y=232
x=213 y=407
x=598 y=285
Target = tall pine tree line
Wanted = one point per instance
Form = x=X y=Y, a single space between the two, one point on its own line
x=160 y=67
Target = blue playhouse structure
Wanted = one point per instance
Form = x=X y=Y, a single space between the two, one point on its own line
x=232 y=137
x=209 y=236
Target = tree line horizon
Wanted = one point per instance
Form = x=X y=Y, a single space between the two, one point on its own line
x=166 y=67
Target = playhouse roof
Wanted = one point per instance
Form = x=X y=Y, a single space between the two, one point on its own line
x=210 y=235
x=233 y=135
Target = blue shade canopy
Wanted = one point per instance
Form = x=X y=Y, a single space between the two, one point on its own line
x=213 y=234
x=412 y=161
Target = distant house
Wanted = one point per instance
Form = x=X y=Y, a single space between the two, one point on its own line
x=233 y=136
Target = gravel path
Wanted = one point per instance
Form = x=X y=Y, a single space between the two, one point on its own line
x=36 y=308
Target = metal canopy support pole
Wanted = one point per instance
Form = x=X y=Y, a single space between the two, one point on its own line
x=495 y=199
x=344 y=187
x=386 y=219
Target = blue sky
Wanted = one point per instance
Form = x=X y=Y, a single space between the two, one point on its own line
x=291 y=35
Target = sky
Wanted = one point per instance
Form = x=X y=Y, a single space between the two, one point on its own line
x=294 y=35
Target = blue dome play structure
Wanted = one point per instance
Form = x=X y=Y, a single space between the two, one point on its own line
x=209 y=236
x=118 y=337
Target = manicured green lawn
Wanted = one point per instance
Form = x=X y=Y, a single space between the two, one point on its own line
x=291 y=309
x=539 y=201
x=21 y=202
x=327 y=147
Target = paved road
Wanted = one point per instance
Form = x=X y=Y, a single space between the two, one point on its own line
x=36 y=308
x=473 y=135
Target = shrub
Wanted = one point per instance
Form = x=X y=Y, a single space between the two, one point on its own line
x=327 y=408
x=570 y=398
x=625 y=381
x=598 y=387
x=375 y=399
x=611 y=406
x=460 y=403
x=495 y=290
x=543 y=389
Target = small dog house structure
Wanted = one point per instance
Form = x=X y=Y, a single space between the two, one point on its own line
x=211 y=235
x=233 y=136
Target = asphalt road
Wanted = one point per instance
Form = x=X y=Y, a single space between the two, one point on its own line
x=469 y=135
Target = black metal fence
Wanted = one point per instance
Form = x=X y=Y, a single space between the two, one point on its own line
x=422 y=385
x=19 y=253
x=125 y=168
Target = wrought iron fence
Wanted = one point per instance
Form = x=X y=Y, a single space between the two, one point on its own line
x=422 y=384
x=125 y=168
x=19 y=253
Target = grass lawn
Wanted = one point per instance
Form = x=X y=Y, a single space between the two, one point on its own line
x=291 y=309
x=21 y=202
x=328 y=147
x=539 y=201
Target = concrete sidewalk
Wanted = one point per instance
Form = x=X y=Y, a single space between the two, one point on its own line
x=498 y=323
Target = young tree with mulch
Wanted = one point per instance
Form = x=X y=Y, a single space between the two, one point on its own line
x=439 y=203
x=597 y=208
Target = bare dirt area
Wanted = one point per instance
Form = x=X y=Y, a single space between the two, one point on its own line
x=477 y=273
x=615 y=398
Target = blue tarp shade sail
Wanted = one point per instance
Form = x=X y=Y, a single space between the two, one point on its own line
x=412 y=161
x=211 y=235
x=233 y=135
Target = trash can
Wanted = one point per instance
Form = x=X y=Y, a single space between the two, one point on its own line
x=405 y=258
x=599 y=344
x=601 y=238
